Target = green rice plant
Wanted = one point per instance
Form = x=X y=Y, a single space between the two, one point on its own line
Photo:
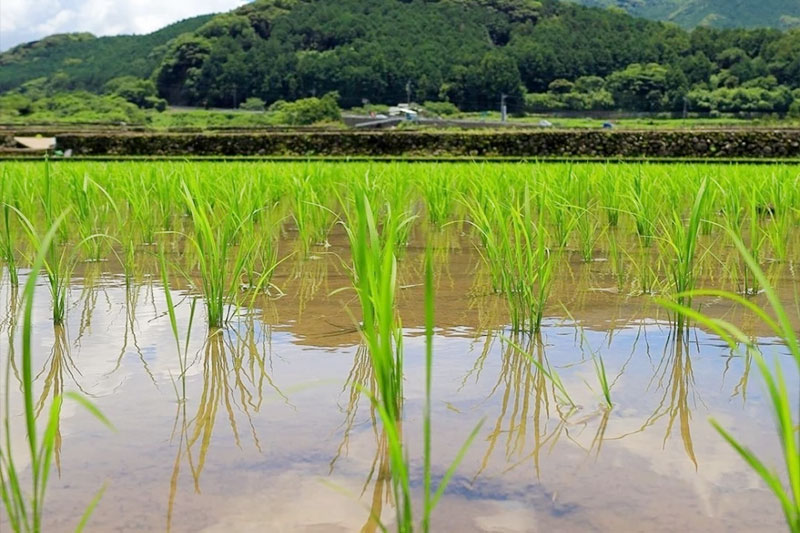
x=515 y=251
x=92 y=207
x=740 y=211
x=560 y=214
x=7 y=252
x=616 y=259
x=756 y=241
x=610 y=190
x=7 y=245
x=58 y=266
x=312 y=218
x=733 y=208
x=600 y=369
x=707 y=208
x=645 y=206
x=582 y=213
x=527 y=270
x=588 y=233
x=781 y=222
x=25 y=505
x=436 y=187
x=681 y=239
x=787 y=492
x=484 y=210
x=374 y=273
x=221 y=264
x=137 y=195
x=398 y=458
x=777 y=207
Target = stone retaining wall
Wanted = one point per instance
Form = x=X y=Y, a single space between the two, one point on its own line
x=726 y=144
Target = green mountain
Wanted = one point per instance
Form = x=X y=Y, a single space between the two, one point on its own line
x=534 y=54
x=467 y=51
x=84 y=61
x=783 y=14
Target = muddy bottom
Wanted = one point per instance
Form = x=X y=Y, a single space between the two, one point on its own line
x=267 y=429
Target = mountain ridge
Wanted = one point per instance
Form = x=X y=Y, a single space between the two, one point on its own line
x=781 y=14
x=532 y=54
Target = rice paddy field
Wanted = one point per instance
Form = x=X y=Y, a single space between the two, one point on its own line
x=504 y=347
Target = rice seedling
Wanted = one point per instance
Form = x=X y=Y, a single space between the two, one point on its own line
x=374 y=274
x=610 y=188
x=532 y=266
x=778 y=207
x=616 y=259
x=645 y=206
x=786 y=490
x=91 y=214
x=399 y=463
x=756 y=242
x=520 y=262
x=437 y=192
x=221 y=264
x=682 y=239
x=58 y=265
x=562 y=219
x=24 y=504
x=602 y=378
x=588 y=233
x=7 y=251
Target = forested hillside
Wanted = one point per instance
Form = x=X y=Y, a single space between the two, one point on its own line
x=717 y=13
x=466 y=51
x=543 y=55
x=83 y=61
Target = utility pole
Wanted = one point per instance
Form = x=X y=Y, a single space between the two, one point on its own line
x=685 y=107
x=408 y=92
x=503 y=109
x=234 y=96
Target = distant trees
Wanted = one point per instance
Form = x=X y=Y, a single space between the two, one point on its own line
x=178 y=75
x=586 y=93
x=307 y=110
x=253 y=104
x=543 y=55
x=75 y=107
x=540 y=54
x=136 y=91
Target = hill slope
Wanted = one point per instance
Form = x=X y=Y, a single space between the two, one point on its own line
x=472 y=53
x=468 y=51
x=88 y=61
x=782 y=14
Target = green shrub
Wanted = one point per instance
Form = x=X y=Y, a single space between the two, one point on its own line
x=85 y=107
x=441 y=108
x=154 y=102
x=253 y=104
x=135 y=90
x=308 y=110
x=537 y=102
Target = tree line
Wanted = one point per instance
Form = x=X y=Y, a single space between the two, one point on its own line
x=535 y=55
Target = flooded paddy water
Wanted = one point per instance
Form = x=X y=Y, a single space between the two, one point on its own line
x=263 y=423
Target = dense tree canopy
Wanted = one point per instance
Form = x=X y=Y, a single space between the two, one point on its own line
x=540 y=54
x=467 y=52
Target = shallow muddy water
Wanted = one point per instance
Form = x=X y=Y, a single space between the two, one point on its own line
x=273 y=434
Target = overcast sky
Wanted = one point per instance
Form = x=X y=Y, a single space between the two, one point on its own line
x=28 y=20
